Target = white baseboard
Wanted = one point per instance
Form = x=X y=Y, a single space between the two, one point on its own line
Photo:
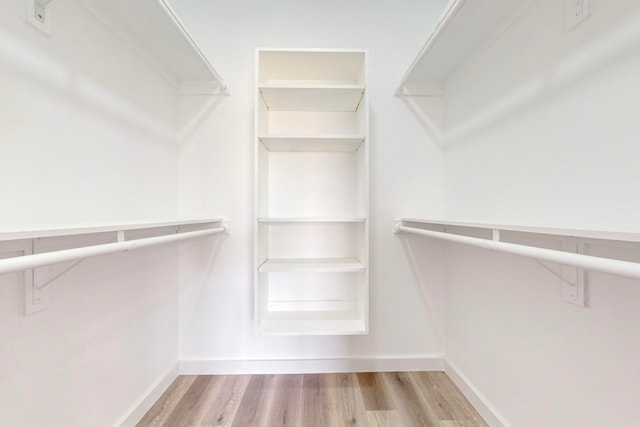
x=428 y=362
x=477 y=399
x=146 y=401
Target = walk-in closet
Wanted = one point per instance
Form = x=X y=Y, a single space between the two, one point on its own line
x=319 y=213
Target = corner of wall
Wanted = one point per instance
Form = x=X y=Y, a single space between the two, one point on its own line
x=475 y=397
x=148 y=398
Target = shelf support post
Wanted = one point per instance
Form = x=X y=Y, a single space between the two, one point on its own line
x=36 y=299
x=574 y=287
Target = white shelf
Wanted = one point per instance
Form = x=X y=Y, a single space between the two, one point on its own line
x=463 y=28
x=312 y=143
x=312 y=97
x=53 y=230
x=154 y=31
x=584 y=233
x=311 y=66
x=265 y=219
x=316 y=265
x=311 y=323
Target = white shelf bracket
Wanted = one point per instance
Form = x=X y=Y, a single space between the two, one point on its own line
x=431 y=88
x=202 y=88
x=40 y=10
x=396 y=226
x=38 y=16
x=495 y=235
x=574 y=286
x=36 y=299
x=38 y=279
x=38 y=275
x=41 y=278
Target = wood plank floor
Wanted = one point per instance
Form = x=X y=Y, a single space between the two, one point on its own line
x=389 y=399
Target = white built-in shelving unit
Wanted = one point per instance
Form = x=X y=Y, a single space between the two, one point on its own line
x=464 y=27
x=154 y=31
x=312 y=192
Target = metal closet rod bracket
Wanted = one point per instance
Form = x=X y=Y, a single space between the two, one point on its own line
x=572 y=255
x=40 y=9
x=37 y=15
x=37 y=289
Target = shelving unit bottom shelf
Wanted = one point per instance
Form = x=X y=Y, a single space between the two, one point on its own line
x=326 y=143
x=303 y=323
x=316 y=265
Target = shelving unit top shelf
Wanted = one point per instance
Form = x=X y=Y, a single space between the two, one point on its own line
x=54 y=230
x=311 y=79
x=156 y=33
x=311 y=66
x=463 y=28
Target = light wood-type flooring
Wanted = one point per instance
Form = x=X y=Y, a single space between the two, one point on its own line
x=390 y=399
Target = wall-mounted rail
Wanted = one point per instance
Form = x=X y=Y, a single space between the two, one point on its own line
x=38 y=246
x=26 y=262
x=588 y=262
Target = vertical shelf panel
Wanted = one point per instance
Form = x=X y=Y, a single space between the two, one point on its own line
x=311 y=256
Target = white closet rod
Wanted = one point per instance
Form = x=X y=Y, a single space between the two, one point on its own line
x=26 y=262
x=588 y=262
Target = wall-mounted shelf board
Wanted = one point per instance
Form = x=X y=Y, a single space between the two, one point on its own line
x=464 y=27
x=53 y=230
x=307 y=220
x=155 y=32
x=568 y=232
x=313 y=143
x=317 y=265
x=311 y=97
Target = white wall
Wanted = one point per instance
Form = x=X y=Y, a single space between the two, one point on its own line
x=216 y=177
x=87 y=133
x=542 y=129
